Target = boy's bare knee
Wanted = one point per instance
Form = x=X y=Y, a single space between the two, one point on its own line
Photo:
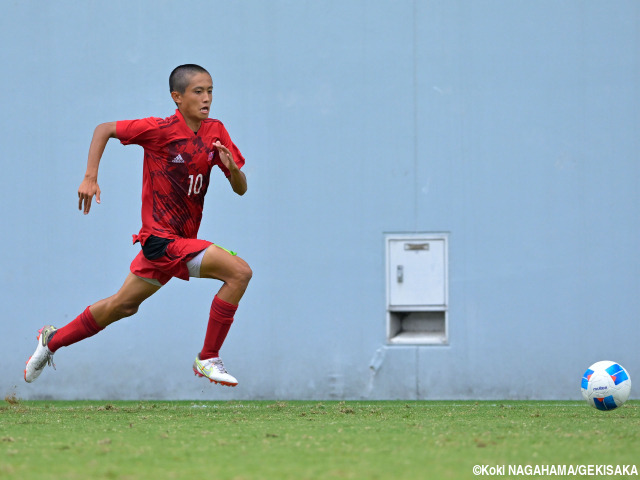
x=127 y=309
x=121 y=309
x=246 y=273
x=243 y=273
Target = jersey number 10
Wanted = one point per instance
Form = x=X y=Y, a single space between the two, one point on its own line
x=195 y=185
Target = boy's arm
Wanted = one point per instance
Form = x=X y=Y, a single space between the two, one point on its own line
x=89 y=186
x=237 y=179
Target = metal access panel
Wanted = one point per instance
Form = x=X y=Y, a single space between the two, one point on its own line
x=417 y=271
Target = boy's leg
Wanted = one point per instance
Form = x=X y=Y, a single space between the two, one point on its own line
x=218 y=263
x=125 y=302
x=92 y=320
x=222 y=265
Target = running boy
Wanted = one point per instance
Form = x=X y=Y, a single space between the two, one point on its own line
x=179 y=153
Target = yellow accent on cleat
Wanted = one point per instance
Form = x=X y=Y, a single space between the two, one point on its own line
x=213 y=369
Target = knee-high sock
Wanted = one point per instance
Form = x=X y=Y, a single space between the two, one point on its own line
x=220 y=320
x=83 y=326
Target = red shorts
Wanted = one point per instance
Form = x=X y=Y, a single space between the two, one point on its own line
x=173 y=263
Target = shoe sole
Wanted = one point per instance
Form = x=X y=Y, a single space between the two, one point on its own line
x=25 y=370
x=27 y=362
x=226 y=384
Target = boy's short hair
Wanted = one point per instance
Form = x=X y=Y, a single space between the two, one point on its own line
x=181 y=76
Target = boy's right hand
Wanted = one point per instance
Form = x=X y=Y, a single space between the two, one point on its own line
x=87 y=189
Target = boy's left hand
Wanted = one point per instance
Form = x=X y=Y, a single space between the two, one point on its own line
x=226 y=156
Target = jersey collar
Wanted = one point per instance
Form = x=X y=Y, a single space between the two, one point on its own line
x=183 y=122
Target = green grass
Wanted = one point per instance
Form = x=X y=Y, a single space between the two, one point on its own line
x=305 y=440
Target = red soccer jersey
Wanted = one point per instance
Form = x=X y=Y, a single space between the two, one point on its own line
x=177 y=165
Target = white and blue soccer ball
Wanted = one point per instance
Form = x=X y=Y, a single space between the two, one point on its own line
x=606 y=385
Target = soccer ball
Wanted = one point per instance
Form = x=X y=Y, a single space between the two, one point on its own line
x=606 y=385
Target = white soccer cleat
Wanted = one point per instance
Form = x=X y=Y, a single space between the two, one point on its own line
x=41 y=357
x=214 y=370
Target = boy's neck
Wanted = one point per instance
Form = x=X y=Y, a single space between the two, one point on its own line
x=194 y=125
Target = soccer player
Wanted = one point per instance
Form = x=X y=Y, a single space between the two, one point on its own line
x=179 y=153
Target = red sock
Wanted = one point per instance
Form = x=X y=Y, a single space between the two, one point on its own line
x=82 y=327
x=220 y=320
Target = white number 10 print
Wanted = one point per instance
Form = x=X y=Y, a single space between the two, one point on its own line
x=195 y=186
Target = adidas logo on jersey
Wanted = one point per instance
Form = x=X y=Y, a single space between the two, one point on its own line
x=178 y=159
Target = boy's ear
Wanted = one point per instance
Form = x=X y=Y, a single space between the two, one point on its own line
x=177 y=97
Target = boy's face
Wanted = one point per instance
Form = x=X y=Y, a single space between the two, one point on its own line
x=195 y=102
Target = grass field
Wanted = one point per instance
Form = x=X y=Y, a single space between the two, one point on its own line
x=306 y=440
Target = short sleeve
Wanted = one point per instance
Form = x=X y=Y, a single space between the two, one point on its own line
x=139 y=132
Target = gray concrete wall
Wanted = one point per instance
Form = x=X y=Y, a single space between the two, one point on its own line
x=511 y=126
